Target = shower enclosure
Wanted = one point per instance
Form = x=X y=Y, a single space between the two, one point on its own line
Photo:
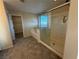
x=53 y=27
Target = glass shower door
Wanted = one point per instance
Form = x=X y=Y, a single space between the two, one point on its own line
x=44 y=29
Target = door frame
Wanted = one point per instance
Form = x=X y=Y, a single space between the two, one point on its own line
x=21 y=20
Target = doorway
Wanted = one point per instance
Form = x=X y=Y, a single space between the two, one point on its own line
x=17 y=26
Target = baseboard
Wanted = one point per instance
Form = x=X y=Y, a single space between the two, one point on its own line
x=6 y=48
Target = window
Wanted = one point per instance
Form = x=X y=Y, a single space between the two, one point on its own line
x=43 y=21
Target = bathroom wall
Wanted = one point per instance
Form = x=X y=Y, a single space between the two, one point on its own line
x=5 y=36
x=71 y=43
x=28 y=21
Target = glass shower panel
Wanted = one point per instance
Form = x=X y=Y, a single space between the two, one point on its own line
x=58 y=32
x=44 y=29
x=59 y=19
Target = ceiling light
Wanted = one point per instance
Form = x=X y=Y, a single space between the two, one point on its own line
x=55 y=0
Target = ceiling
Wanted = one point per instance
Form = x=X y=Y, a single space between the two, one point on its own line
x=32 y=6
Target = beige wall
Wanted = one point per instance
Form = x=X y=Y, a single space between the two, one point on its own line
x=72 y=30
x=5 y=37
x=28 y=21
